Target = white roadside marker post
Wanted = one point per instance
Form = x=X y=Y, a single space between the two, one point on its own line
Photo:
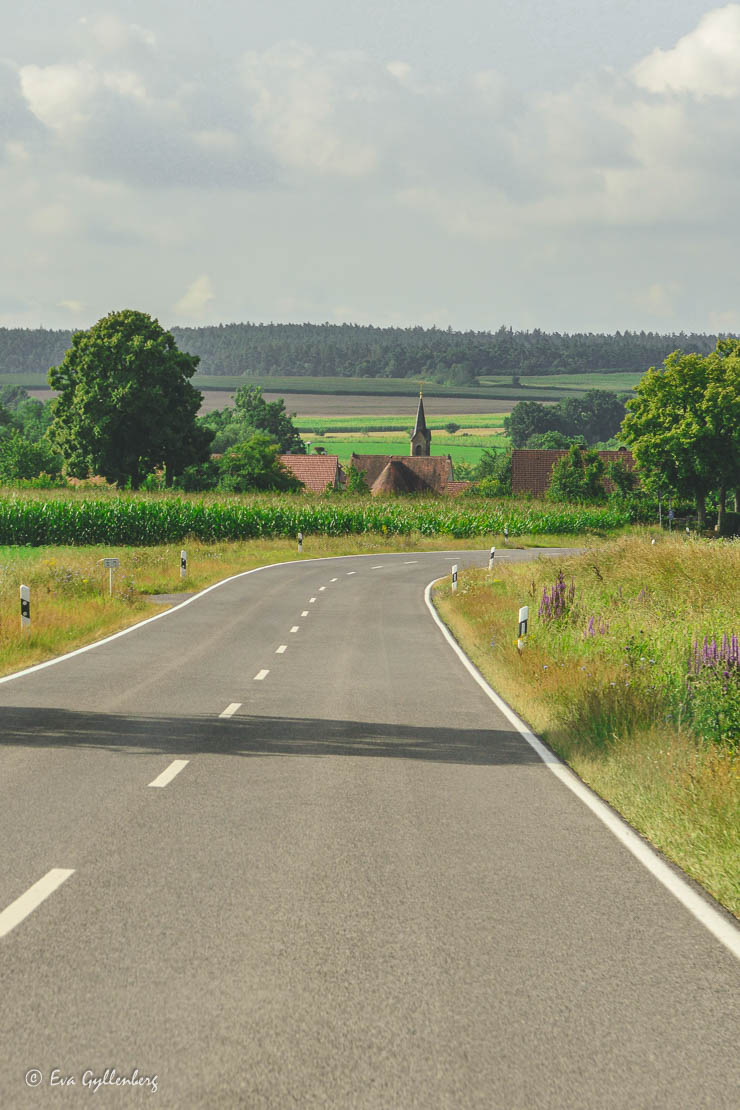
x=491 y=558
x=506 y=533
x=183 y=563
x=111 y=564
x=25 y=607
x=454 y=578
x=523 y=623
x=300 y=542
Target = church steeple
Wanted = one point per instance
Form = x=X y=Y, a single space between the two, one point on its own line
x=421 y=437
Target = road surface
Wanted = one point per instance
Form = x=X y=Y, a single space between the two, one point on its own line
x=278 y=849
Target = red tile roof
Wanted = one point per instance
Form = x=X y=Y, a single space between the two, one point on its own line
x=315 y=471
x=531 y=470
x=405 y=473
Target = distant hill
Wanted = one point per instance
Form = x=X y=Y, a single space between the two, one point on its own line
x=352 y=350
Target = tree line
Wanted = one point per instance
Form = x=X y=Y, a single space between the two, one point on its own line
x=354 y=350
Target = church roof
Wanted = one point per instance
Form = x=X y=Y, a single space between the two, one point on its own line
x=421 y=424
x=405 y=473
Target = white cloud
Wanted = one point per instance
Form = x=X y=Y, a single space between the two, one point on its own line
x=73 y=306
x=310 y=109
x=196 y=299
x=658 y=299
x=60 y=95
x=705 y=62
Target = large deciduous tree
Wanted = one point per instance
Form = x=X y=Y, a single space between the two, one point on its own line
x=684 y=425
x=126 y=406
x=251 y=408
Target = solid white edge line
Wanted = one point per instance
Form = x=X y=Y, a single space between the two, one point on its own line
x=13 y=914
x=189 y=601
x=169 y=772
x=261 y=675
x=231 y=709
x=712 y=920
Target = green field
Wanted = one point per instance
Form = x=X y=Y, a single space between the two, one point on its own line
x=619 y=381
x=360 y=424
x=551 y=390
x=467 y=450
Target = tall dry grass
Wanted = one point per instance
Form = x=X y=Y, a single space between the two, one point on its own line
x=613 y=703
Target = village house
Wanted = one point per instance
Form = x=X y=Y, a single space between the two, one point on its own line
x=316 y=472
x=531 y=470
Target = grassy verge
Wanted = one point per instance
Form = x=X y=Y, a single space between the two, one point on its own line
x=605 y=684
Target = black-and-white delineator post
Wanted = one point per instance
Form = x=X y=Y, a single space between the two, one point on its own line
x=25 y=607
x=523 y=623
x=183 y=563
x=506 y=533
x=111 y=564
x=300 y=542
x=454 y=578
x=491 y=557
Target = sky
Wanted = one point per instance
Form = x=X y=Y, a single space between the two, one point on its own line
x=569 y=165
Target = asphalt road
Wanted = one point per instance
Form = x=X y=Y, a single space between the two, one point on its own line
x=362 y=889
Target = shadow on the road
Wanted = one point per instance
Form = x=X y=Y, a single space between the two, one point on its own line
x=244 y=735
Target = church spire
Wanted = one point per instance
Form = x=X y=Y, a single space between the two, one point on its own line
x=421 y=437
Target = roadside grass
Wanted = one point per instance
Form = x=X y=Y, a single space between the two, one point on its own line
x=613 y=704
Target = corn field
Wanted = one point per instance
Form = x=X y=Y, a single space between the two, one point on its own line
x=140 y=521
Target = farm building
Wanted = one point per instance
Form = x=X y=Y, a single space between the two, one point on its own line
x=315 y=471
x=531 y=470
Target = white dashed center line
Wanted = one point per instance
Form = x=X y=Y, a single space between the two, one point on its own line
x=351 y=572
x=311 y=600
x=260 y=675
x=295 y=628
x=33 y=897
x=379 y=566
x=304 y=613
x=231 y=709
x=321 y=588
x=169 y=772
x=410 y=561
x=281 y=649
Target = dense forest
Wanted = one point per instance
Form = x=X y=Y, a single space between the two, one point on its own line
x=353 y=350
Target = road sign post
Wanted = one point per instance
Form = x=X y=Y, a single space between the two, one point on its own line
x=523 y=624
x=454 y=578
x=25 y=607
x=111 y=564
x=183 y=563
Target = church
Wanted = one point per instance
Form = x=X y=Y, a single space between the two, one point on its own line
x=417 y=472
